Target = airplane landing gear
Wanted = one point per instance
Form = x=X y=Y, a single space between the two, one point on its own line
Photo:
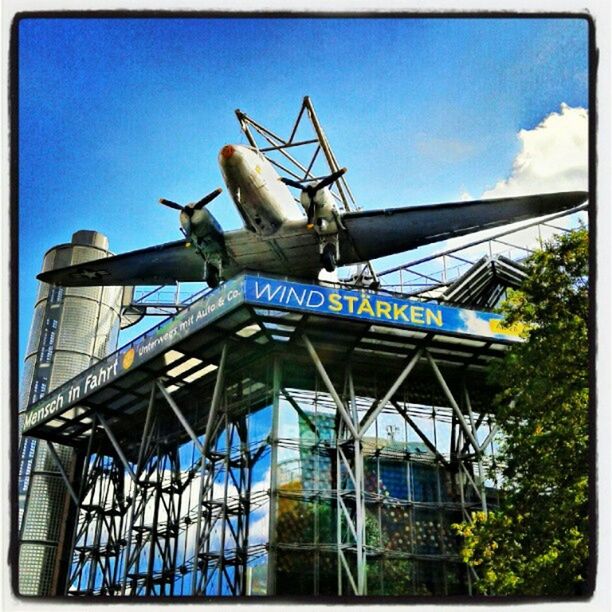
x=211 y=275
x=328 y=257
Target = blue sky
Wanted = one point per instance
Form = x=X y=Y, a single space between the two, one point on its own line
x=116 y=113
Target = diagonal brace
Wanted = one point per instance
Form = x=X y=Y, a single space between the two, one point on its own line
x=62 y=471
x=117 y=448
x=180 y=416
x=488 y=439
x=330 y=387
x=453 y=403
x=216 y=399
x=420 y=433
x=377 y=407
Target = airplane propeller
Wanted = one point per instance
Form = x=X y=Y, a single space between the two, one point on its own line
x=312 y=190
x=191 y=208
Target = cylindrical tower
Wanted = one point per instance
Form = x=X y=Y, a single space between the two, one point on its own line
x=72 y=328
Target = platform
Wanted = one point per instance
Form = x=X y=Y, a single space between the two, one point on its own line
x=258 y=314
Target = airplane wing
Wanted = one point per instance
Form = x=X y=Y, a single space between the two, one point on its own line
x=376 y=233
x=296 y=253
x=163 y=264
x=368 y=235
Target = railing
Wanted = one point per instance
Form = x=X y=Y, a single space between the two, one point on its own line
x=166 y=299
x=417 y=277
x=443 y=268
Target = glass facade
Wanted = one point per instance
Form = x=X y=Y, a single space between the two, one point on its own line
x=410 y=503
x=269 y=505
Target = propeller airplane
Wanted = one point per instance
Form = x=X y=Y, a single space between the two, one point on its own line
x=281 y=238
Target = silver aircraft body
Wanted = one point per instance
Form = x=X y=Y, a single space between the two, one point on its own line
x=294 y=236
x=263 y=200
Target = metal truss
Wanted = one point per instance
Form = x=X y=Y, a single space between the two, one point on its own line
x=283 y=152
x=139 y=531
x=465 y=451
x=153 y=523
x=428 y=276
x=98 y=536
x=304 y=154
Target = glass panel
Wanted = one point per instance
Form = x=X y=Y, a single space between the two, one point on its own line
x=429 y=578
x=374 y=576
x=424 y=482
x=456 y=579
x=427 y=528
x=327 y=583
x=398 y=577
x=257 y=576
x=394 y=480
x=397 y=527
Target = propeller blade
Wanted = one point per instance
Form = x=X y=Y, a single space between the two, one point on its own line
x=170 y=204
x=207 y=199
x=292 y=183
x=311 y=212
x=328 y=180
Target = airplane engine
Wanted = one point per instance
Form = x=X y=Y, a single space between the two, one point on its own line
x=206 y=235
x=325 y=209
x=201 y=224
x=201 y=228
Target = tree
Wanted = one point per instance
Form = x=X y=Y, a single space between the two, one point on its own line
x=536 y=542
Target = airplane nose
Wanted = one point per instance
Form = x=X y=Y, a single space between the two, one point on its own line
x=227 y=151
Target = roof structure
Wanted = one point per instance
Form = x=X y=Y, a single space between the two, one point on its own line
x=485 y=283
x=260 y=315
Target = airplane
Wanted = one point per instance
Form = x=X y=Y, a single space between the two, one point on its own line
x=285 y=238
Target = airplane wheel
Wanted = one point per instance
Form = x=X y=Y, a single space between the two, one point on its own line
x=212 y=276
x=328 y=257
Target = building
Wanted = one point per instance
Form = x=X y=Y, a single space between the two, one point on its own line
x=279 y=438
x=71 y=330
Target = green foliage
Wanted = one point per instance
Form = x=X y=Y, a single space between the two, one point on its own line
x=536 y=542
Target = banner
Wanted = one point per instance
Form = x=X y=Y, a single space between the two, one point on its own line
x=274 y=293
x=139 y=351
x=377 y=308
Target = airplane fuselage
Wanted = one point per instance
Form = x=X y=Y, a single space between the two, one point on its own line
x=264 y=202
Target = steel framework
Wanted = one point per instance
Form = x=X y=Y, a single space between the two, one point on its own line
x=186 y=486
x=305 y=154
x=258 y=455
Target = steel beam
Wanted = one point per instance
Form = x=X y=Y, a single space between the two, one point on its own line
x=451 y=399
x=359 y=497
x=417 y=430
x=180 y=416
x=272 y=530
x=216 y=398
x=479 y=449
x=330 y=387
x=62 y=471
x=117 y=447
x=377 y=407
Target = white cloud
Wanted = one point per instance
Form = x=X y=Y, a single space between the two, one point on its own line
x=473 y=324
x=553 y=157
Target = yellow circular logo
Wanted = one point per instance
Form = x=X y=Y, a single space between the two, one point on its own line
x=128 y=359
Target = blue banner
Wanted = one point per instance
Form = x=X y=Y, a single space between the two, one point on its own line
x=142 y=349
x=376 y=308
